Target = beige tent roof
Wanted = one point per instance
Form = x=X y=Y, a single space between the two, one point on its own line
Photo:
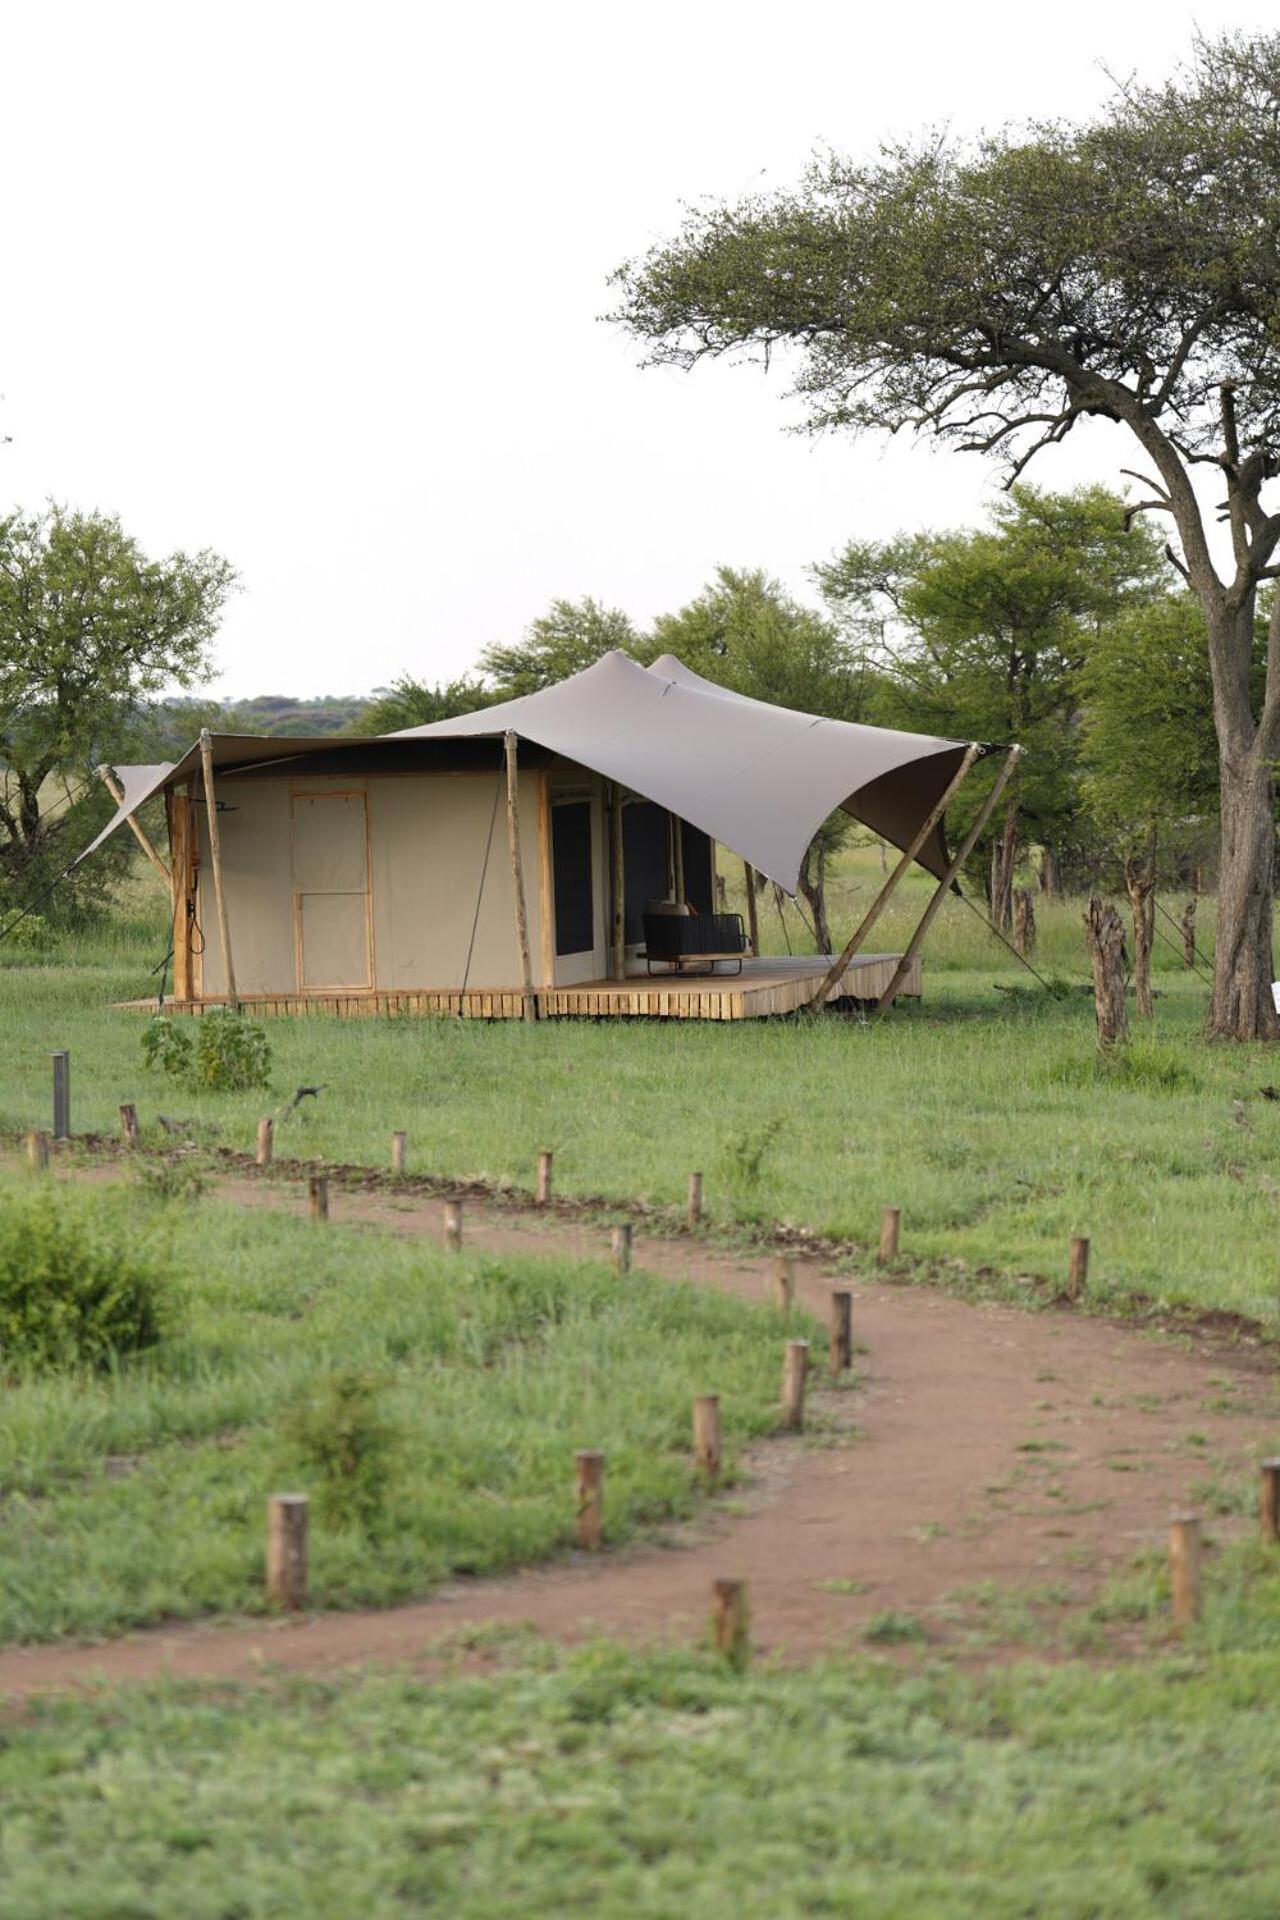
x=759 y=779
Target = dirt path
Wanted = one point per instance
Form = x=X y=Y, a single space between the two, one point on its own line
x=993 y=1469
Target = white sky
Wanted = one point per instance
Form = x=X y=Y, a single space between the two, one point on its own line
x=318 y=286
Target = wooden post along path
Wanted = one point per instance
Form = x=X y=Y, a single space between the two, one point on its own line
x=266 y=1142
x=399 y=1145
x=1184 y=1568
x=731 y=1621
x=318 y=1196
x=695 y=1200
x=841 y=1330
x=890 y=1232
x=1269 y=1500
x=543 y=1191
x=706 y=1433
x=38 y=1149
x=589 y=1463
x=784 y=1282
x=287 y=1550
x=129 y=1124
x=620 y=1244
x=795 y=1370
x=453 y=1225
x=1078 y=1267
x=530 y=1005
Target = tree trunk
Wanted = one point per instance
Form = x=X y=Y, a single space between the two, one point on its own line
x=1140 y=885
x=1104 y=931
x=1050 y=885
x=1024 y=921
x=1189 y=933
x=1004 y=855
x=813 y=885
x=1243 y=964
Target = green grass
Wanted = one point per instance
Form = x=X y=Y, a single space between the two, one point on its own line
x=637 y=1787
x=140 y=1495
x=984 y=1115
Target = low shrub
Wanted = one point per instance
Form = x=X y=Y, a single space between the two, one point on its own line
x=166 y=1047
x=70 y=1292
x=230 y=1054
x=340 y=1436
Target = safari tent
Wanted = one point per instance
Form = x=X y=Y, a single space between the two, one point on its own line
x=504 y=863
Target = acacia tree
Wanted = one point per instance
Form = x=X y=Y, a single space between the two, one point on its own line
x=995 y=294
x=571 y=635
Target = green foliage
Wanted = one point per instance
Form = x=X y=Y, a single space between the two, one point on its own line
x=70 y=1293
x=411 y=703
x=232 y=1052
x=570 y=636
x=167 y=1047
x=343 y=1441
x=173 y=1176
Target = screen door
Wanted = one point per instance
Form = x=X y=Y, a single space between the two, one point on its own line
x=331 y=889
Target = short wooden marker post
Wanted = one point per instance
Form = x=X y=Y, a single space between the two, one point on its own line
x=590 y=1485
x=318 y=1190
x=706 y=1433
x=543 y=1191
x=731 y=1621
x=784 y=1283
x=453 y=1225
x=1078 y=1267
x=620 y=1244
x=266 y=1142
x=795 y=1370
x=129 y=1123
x=399 y=1141
x=1269 y=1500
x=695 y=1200
x=841 y=1311
x=287 y=1550
x=1184 y=1568
x=38 y=1149
x=890 y=1231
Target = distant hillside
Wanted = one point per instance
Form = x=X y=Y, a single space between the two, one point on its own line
x=171 y=726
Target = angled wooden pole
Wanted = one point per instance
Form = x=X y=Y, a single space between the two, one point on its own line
x=215 y=855
x=958 y=859
x=143 y=839
x=517 y=876
x=840 y=965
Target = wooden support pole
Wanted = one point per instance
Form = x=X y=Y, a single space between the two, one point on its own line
x=1269 y=1500
x=116 y=791
x=890 y=1232
x=677 y=856
x=182 y=852
x=590 y=1489
x=840 y=965
x=841 y=1311
x=944 y=886
x=1184 y=1568
x=695 y=1200
x=620 y=1246
x=215 y=855
x=1078 y=1267
x=731 y=1621
x=287 y=1550
x=795 y=1371
x=38 y=1149
x=453 y=1225
x=543 y=1192
x=318 y=1194
x=753 y=911
x=706 y=1433
x=129 y=1124
x=784 y=1282
x=530 y=1005
x=399 y=1144
x=618 y=886
x=266 y=1142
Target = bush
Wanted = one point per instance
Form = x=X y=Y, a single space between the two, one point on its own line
x=340 y=1435
x=166 y=1047
x=230 y=1054
x=70 y=1293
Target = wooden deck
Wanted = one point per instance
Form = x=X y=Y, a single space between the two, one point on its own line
x=764 y=987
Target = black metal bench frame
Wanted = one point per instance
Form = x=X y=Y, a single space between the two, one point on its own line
x=674 y=939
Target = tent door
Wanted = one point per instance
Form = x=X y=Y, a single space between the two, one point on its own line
x=331 y=889
x=575 y=840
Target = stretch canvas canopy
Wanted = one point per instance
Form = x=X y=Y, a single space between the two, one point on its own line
x=759 y=779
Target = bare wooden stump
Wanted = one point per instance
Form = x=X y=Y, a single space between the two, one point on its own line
x=38 y=1149
x=399 y=1144
x=731 y=1621
x=706 y=1433
x=129 y=1124
x=620 y=1245
x=1078 y=1267
x=890 y=1230
x=695 y=1199
x=1184 y=1568
x=266 y=1142
x=453 y=1225
x=287 y=1550
x=841 y=1330
x=318 y=1192
x=784 y=1282
x=543 y=1191
x=590 y=1484
x=1024 y=921
x=1104 y=934
x=795 y=1371
x=1269 y=1500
